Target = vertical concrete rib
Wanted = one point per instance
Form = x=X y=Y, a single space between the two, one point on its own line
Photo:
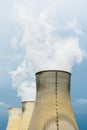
x=56 y=95
x=53 y=110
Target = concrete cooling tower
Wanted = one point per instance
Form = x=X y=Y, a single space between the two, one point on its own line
x=14 y=118
x=53 y=110
x=27 y=110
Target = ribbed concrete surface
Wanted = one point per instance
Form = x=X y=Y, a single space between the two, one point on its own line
x=27 y=109
x=14 y=121
x=62 y=124
x=53 y=108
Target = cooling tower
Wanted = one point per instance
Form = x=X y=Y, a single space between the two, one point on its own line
x=53 y=110
x=14 y=118
x=27 y=109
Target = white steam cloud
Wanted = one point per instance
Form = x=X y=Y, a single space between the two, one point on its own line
x=49 y=42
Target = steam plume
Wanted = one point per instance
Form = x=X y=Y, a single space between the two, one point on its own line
x=49 y=42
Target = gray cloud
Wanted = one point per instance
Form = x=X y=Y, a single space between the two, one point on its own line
x=3 y=105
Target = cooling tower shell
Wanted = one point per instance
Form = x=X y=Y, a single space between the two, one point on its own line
x=27 y=110
x=53 y=109
x=14 y=120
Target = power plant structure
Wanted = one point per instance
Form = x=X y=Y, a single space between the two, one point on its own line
x=27 y=110
x=14 y=120
x=52 y=109
x=19 y=118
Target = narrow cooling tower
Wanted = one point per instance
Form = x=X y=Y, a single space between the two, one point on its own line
x=27 y=109
x=14 y=120
x=53 y=110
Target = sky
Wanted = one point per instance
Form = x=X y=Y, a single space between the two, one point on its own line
x=32 y=32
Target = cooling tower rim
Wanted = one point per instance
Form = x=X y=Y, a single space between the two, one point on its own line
x=14 y=108
x=27 y=101
x=53 y=71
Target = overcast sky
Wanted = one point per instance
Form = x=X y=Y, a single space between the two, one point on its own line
x=28 y=27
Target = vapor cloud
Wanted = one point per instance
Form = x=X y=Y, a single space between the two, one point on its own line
x=48 y=41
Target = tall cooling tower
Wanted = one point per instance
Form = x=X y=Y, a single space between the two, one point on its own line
x=14 y=121
x=27 y=110
x=53 y=110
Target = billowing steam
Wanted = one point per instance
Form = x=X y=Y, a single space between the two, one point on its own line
x=49 y=42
